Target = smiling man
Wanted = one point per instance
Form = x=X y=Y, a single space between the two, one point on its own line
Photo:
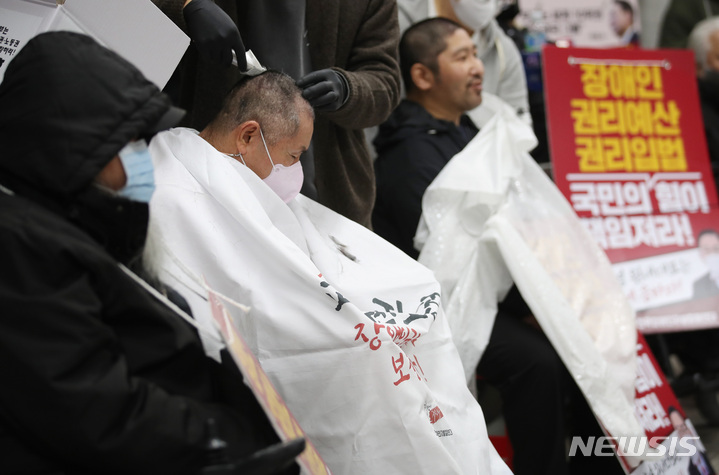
x=443 y=78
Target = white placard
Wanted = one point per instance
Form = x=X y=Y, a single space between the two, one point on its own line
x=19 y=21
x=660 y=280
x=135 y=29
x=586 y=23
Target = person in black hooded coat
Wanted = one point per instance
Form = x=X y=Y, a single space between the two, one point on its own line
x=98 y=376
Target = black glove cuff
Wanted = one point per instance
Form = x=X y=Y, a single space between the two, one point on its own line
x=345 y=88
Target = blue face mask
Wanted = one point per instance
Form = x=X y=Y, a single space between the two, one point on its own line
x=136 y=159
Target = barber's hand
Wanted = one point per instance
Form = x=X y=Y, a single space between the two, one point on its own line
x=214 y=33
x=325 y=90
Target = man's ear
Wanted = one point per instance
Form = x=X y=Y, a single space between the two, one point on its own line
x=245 y=133
x=422 y=77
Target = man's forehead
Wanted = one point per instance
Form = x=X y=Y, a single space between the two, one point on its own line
x=307 y=122
x=304 y=134
x=458 y=40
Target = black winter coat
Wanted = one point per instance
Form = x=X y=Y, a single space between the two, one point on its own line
x=709 y=95
x=412 y=148
x=97 y=376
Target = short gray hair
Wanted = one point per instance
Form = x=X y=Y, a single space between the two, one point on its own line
x=699 y=40
x=272 y=99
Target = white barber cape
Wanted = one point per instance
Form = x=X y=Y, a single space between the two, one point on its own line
x=349 y=329
x=491 y=217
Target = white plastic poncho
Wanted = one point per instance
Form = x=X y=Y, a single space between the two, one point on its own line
x=492 y=217
x=348 y=328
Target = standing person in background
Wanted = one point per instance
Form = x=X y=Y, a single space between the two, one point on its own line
x=342 y=53
x=696 y=349
x=704 y=41
x=679 y=19
x=504 y=75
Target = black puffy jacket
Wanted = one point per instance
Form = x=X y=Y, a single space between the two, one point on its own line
x=97 y=376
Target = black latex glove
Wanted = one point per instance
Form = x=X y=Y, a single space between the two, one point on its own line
x=325 y=89
x=214 y=33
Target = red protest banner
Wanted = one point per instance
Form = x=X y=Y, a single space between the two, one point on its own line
x=629 y=153
x=676 y=446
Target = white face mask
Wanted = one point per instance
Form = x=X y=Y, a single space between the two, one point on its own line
x=285 y=181
x=712 y=262
x=475 y=14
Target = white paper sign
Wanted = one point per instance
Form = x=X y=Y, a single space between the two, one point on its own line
x=17 y=26
x=135 y=29
x=586 y=23
x=660 y=280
